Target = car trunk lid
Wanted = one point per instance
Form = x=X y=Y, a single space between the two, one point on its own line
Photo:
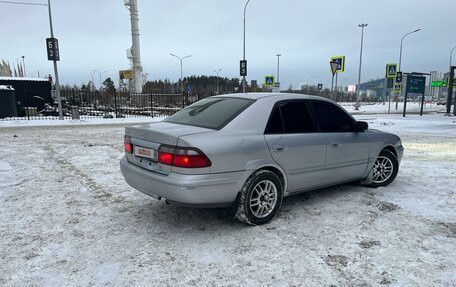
x=146 y=140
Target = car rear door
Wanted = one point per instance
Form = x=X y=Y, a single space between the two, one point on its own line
x=294 y=145
x=347 y=151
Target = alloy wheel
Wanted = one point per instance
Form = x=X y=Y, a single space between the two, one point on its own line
x=263 y=199
x=383 y=169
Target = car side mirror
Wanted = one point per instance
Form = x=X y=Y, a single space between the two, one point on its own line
x=361 y=126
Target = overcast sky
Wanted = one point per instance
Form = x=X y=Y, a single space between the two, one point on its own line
x=94 y=34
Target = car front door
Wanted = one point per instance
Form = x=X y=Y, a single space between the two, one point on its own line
x=347 y=151
x=295 y=145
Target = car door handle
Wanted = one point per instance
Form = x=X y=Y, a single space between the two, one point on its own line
x=279 y=147
x=334 y=145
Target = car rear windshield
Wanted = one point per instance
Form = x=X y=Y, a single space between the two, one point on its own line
x=212 y=113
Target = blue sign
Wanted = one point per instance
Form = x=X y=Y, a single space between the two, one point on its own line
x=415 y=84
x=189 y=89
x=269 y=81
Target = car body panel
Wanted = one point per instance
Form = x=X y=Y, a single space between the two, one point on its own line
x=302 y=156
x=347 y=156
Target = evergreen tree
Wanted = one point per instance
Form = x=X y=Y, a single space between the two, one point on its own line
x=108 y=85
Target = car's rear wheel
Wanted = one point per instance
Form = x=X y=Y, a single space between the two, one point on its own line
x=385 y=169
x=261 y=198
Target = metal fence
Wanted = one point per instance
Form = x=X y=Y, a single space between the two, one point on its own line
x=85 y=105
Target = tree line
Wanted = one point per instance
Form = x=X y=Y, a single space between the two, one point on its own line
x=199 y=86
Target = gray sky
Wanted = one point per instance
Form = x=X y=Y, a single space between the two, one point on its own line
x=95 y=35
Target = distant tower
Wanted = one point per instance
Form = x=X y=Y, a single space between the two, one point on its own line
x=134 y=52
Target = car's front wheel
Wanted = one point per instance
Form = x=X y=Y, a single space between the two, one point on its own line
x=385 y=169
x=261 y=198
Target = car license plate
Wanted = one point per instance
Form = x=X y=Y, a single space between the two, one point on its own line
x=145 y=152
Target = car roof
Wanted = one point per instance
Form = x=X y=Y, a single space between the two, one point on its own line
x=256 y=96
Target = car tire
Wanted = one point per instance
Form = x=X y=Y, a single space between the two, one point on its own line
x=385 y=169
x=260 y=198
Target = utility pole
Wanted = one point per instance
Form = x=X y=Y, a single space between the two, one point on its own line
x=243 y=57
x=23 y=63
x=450 y=92
x=134 y=52
x=217 y=72
x=360 y=61
x=278 y=68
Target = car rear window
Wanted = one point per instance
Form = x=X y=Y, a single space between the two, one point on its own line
x=212 y=113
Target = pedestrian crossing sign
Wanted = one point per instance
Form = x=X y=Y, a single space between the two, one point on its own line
x=391 y=70
x=340 y=60
x=398 y=87
x=269 y=81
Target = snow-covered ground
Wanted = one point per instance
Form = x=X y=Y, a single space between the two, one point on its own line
x=67 y=217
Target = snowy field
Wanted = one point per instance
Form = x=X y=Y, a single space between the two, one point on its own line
x=67 y=217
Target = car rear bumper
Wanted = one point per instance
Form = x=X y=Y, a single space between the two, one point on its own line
x=206 y=190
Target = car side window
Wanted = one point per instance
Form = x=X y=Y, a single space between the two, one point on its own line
x=290 y=118
x=331 y=119
x=275 y=125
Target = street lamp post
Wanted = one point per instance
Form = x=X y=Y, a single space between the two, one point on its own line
x=278 y=67
x=56 y=72
x=400 y=52
x=23 y=63
x=400 y=59
x=99 y=74
x=181 y=59
x=451 y=55
x=307 y=84
x=93 y=85
x=360 y=61
x=243 y=57
x=217 y=72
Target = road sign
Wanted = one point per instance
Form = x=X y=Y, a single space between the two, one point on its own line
x=320 y=87
x=334 y=66
x=391 y=70
x=243 y=68
x=415 y=84
x=52 y=46
x=269 y=81
x=399 y=77
x=189 y=90
x=397 y=87
x=341 y=61
x=126 y=74
x=436 y=83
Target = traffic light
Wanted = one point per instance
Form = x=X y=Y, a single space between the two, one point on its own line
x=399 y=77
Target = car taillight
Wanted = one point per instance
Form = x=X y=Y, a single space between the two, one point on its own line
x=128 y=147
x=165 y=155
x=183 y=157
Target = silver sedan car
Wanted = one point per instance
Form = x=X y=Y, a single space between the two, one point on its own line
x=248 y=151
